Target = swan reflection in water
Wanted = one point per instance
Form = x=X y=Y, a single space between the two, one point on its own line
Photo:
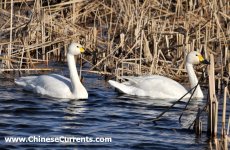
x=74 y=109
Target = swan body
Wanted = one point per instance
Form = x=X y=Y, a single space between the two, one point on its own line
x=156 y=86
x=55 y=85
x=143 y=86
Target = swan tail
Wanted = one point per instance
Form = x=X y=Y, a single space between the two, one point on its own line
x=121 y=87
x=25 y=82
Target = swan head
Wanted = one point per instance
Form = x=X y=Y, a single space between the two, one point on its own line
x=195 y=58
x=75 y=49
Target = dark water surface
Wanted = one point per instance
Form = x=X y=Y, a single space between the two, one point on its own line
x=104 y=114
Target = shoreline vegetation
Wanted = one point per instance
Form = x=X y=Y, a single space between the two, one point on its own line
x=132 y=37
x=125 y=37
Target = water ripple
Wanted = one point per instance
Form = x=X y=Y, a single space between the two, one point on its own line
x=104 y=114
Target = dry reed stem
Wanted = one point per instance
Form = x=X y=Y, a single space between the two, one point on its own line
x=213 y=103
x=223 y=131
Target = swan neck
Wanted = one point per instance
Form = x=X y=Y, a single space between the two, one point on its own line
x=192 y=76
x=75 y=80
x=193 y=80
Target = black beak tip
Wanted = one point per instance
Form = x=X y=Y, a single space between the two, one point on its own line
x=206 y=62
x=87 y=52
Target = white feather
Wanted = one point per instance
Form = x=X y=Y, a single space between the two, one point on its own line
x=156 y=86
x=55 y=85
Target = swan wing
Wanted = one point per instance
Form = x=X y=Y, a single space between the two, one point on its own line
x=161 y=87
x=53 y=85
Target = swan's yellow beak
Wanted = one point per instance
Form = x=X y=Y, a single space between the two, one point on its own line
x=82 y=50
x=202 y=60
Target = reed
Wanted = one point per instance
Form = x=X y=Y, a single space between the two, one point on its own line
x=224 y=136
x=213 y=103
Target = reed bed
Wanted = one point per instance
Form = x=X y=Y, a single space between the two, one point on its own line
x=125 y=37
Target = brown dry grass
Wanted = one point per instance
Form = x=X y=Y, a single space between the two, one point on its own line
x=130 y=37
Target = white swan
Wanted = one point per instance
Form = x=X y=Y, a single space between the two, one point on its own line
x=156 y=86
x=55 y=85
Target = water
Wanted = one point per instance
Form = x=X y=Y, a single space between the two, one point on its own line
x=104 y=114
